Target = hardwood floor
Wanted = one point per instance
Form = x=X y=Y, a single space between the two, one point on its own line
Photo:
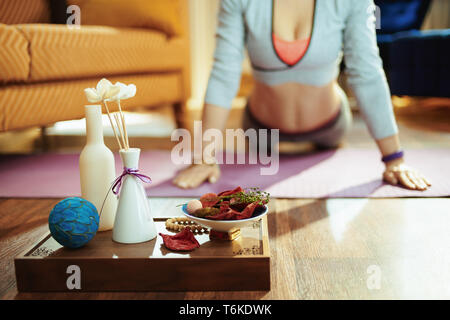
x=320 y=249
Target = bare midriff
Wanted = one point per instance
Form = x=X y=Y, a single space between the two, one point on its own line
x=294 y=107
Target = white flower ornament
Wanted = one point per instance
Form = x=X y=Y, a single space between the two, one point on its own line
x=104 y=91
x=126 y=92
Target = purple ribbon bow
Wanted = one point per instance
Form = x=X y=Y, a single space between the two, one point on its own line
x=133 y=172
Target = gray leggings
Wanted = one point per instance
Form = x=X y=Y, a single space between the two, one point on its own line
x=327 y=136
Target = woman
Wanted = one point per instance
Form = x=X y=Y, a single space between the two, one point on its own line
x=295 y=47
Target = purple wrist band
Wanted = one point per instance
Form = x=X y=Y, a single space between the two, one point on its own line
x=392 y=156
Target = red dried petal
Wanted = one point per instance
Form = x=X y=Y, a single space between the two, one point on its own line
x=239 y=206
x=229 y=214
x=182 y=241
x=228 y=192
x=224 y=206
x=209 y=199
x=248 y=211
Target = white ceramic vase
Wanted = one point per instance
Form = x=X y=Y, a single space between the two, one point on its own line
x=97 y=169
x=134 y=222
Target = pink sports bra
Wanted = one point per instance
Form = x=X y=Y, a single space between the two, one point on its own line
x=290 y=52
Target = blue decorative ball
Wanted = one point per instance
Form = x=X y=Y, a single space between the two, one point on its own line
x=73 y=222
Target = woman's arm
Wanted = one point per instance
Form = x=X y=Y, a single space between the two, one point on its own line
x=364 y=69
x=367 y=80
x=225 y=75
x=223 y=85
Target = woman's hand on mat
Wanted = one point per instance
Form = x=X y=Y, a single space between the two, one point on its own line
x=398 y=173
x=196 y=174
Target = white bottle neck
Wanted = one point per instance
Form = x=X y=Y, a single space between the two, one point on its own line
x=94 y=126
x=130 y=157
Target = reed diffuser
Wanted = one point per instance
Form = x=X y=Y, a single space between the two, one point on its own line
x=133 y=221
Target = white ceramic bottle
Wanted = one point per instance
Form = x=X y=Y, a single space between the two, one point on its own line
x=97 y=169
x=134 y=222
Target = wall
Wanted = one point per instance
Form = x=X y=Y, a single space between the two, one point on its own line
x=438 y=16
x=203 y=23
x=202 y=27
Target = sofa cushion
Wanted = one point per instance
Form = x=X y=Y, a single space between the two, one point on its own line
x=41 y=104
x=58 y=52
x=162 y=15
x=24 y=11
x=14 y=57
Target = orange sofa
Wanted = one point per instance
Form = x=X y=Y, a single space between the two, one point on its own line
x=45 y=67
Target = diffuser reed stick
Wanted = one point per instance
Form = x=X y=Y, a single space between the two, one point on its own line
x=112 y=124
x=120 y=126
x=123 y=123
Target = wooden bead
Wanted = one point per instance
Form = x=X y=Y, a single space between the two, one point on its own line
x=179 y=223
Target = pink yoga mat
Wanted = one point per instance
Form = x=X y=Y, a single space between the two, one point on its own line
x=338 y=173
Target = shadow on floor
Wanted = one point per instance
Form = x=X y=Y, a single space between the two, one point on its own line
x=296 y=217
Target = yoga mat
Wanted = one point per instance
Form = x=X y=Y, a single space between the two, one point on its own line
x=329 y=174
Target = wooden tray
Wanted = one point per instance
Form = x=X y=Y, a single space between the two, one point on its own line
x=241 y=264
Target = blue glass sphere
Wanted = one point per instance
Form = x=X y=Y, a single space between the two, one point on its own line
x=73 y=222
